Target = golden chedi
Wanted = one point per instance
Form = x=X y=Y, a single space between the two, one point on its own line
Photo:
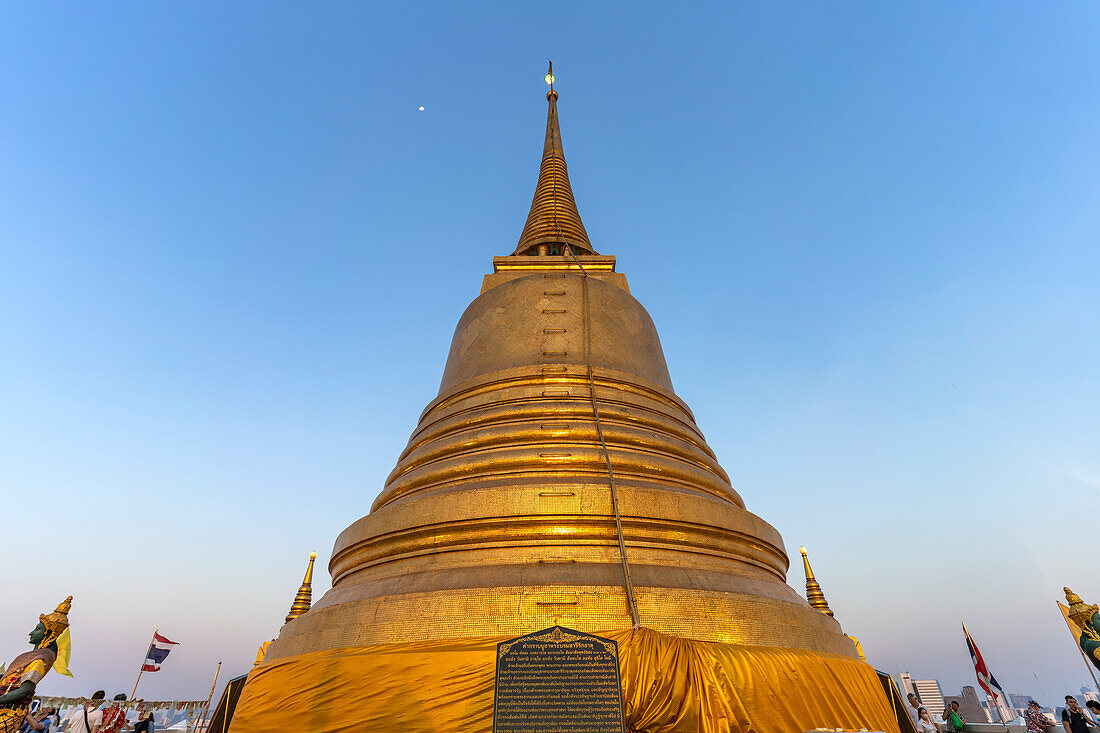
x=556 y=479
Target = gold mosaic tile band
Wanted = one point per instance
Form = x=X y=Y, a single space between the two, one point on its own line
x=731 y=618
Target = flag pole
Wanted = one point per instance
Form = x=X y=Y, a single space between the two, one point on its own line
x=206 y=710
x=133 y=694
x=991 y=696
x=999 y=713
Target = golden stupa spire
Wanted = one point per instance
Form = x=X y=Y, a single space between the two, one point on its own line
x=303 y=600
x=813 y=588
x=554 y=467
x=554 y=221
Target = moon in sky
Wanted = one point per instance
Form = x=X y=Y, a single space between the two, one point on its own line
x=421 y=109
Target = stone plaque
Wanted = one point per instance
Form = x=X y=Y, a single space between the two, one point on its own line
x=558 y=681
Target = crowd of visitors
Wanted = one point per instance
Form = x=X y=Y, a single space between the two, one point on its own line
x=1074 y=719
x=92 y=717
x=923 y=722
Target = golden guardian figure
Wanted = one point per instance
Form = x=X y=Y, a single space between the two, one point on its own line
x=19 y=680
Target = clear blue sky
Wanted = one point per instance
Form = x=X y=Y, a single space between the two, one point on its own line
x=232 y=252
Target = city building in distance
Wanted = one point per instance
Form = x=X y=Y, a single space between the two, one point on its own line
x=970 y=706
x=907 y=685
x=930 y=696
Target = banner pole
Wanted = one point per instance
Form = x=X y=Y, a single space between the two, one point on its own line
x=141 y=669
x=999 y=713
x=209 y=697
x=990 y=696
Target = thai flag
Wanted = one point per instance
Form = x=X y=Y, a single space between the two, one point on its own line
x=985 y=679
x=158 y=652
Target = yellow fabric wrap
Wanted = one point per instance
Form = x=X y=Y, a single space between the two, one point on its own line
x=670 y=685
x=64 y=653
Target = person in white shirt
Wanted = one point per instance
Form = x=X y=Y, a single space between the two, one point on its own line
x=86 y=719
x=914 y=706
x=925 y=724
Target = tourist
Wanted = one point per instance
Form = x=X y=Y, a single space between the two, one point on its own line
x=114 y=717
x=1073 y=717
x=914 y=706
x=924 y=722
x=42 y=720
x=1034 y=718
x=1094 y=708
x=87 y=717
x=145 y=724
x=952 y=717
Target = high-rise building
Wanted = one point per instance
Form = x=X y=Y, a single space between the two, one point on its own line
x=930 y=696
x=998 y=710
x=970 y=706
x=907 y=685
x=1019 y=701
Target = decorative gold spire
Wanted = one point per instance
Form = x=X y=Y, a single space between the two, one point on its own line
x=57 y=621
x=813 y=588
x=554 y=221
x=303 y=600
x=1079 y=611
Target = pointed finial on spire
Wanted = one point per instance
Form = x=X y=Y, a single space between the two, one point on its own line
x=813 y=589
x=550 y=79
x=553 y=224
x=304 y=599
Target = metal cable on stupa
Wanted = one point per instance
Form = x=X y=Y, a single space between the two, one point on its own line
x=628 y=583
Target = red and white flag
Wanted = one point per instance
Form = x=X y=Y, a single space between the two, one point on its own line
x=158 y=652
x=985 y=677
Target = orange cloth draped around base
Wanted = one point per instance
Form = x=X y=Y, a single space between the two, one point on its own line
x=670 y=685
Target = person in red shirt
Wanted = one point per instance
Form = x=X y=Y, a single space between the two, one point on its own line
x=1036 y=721
x=114 y=717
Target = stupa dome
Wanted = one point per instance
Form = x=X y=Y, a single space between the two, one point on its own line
x=514 y=507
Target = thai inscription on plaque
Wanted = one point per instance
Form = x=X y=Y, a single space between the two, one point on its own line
x=558 y=681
